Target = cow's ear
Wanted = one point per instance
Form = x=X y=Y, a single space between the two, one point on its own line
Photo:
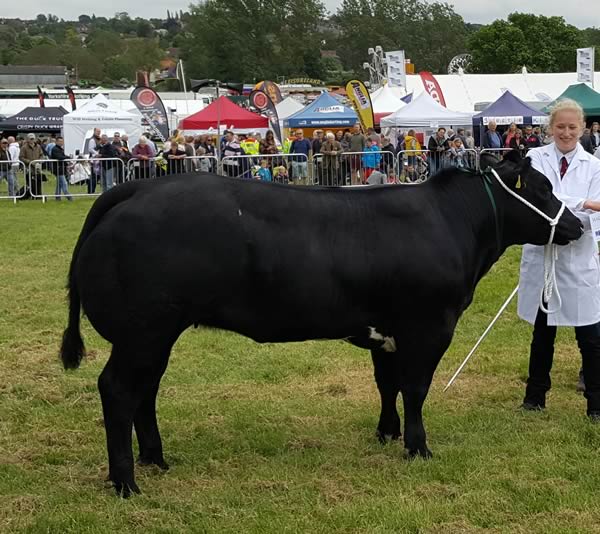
x=514 y=156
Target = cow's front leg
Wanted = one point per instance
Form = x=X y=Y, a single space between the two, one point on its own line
x=387 y=379
x=415 y=439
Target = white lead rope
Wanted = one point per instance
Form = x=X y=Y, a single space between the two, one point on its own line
x=550 y=250
x=550 y=286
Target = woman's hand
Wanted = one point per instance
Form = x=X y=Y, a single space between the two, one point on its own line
x=593 y=205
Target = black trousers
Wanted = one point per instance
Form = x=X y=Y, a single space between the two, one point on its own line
x=542 y=354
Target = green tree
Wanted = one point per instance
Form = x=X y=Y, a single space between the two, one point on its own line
x=542 y=44
x=245 y=40
x=430 y=33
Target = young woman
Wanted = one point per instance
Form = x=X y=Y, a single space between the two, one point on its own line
x=575 y=178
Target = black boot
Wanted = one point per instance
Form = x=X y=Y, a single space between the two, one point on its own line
x=581 y=382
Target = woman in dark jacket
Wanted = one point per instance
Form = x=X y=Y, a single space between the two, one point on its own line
x=518 y=143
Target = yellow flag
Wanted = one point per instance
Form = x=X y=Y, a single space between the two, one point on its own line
x=361 y=100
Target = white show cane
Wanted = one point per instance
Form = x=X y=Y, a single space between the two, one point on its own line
x=500 y=311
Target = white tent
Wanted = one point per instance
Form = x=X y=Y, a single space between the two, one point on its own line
x=425 y=113
x=287 y=107
x=99 y=112
x=384 y=102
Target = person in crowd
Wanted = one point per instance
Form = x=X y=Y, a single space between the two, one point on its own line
x=437 y=145
x=61 y=168
x=124 y=155
x=469 y=140
x=374 y=136
x=546 y=137
x=575 y=178
x=13 y=152
x=371 y=159
x=202 y=162
x=190 y=152
x=450 y=135
x=460 y=132
x=50 y=145
x=108 y=155
x=537 y=131
x=302 y=148
x=357 y=145
x=32 y=151
x=144 y=154
x=148 y=136
x=316 y=144
x=457 y=153
x=6 y=166
x=517 y=142
x=530 y=140
x=590 y=138
x=509 y=134
x=491 y=138
x=268 y=147
x=339 y=136
x=264 y=173
x=232 y=164
x=175 y=157
x=92 y=150
x=412 y=147
x=331 y=150
x=388 y=155
x=410 y=174
x=281 y=175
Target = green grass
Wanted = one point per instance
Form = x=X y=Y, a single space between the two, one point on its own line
x=280 y=438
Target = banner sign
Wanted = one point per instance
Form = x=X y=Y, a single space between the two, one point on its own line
x=585 y=65
x=264 y=103
x=361 y=100
x=396 y=68
x=71 y=95
x=41 y=97
x=272 y=89
x=153 y=110
x=432 y=87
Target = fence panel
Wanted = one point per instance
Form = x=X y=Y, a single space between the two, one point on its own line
x=414 y=165
x=12 y=180
x=73 y=177
x=144 y=168
x=496 y=152
x=352 y=168
x=282 y=168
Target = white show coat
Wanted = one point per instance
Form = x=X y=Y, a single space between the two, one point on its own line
x=578 y=264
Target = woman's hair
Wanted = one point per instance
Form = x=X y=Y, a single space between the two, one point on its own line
x=411 y=133
x=330 y=135
x=566 y=104
x=269 y=133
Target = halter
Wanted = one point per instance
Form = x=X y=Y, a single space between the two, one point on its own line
x=550 y=249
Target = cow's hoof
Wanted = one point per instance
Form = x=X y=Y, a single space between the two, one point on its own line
x=420 y=452
x=126 y=489
x=158 y=462
x=385 y=437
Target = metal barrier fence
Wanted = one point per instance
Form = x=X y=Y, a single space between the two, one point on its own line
x=352 y=168
x=73 y=177
x=280 y=168
x=419 y=165
x=12 y=180
x=166 y=165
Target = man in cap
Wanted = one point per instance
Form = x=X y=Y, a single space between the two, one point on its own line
x=32 y=151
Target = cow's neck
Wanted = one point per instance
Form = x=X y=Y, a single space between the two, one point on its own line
x=477 y=211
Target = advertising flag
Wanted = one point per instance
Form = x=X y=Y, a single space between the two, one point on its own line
x=272 y=89
x=432 y=87
x=263 y=102
x=153 y=110
x=71 y=98
x=41 y=97
x=361 y=100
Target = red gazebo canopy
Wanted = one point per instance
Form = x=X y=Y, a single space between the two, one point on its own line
x=224 y=112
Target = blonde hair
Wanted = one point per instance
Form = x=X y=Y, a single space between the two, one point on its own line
x=566 y=104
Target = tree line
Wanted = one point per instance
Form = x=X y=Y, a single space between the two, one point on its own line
x=250 y=40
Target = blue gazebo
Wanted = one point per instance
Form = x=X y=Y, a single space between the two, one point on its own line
x=325 y=111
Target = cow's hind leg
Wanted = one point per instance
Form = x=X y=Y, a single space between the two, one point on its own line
x=146 y=426
x=127 y=379
x=387 y=379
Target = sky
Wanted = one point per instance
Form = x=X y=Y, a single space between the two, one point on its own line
x=580 y=13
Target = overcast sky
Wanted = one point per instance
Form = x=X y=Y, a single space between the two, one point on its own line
x=581 y=13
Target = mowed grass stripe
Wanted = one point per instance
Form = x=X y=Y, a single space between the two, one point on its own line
x=280 y=438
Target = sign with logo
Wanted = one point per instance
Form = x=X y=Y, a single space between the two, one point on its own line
x=396 y=68
x=585 y=65
x=433 y=87
x=153 y=110
x=264 y=103
x=330 y=109
x=361 y=100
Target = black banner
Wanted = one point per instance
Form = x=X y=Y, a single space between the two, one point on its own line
x=41 y=97
x=71 y=98
x=153 y=110
x=263 y=103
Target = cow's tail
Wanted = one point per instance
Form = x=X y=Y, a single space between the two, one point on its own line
x=72 y=349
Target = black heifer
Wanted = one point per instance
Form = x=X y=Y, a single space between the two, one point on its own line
x=390 y=268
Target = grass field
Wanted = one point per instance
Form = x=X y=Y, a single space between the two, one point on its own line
x=279 y=438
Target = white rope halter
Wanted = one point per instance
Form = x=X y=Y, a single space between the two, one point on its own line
x=550 y=250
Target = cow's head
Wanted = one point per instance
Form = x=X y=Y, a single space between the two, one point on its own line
x=521 y=224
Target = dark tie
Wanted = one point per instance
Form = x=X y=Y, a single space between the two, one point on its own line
x=564 y=165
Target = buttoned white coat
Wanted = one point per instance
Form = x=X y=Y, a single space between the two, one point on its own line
x=578 y=264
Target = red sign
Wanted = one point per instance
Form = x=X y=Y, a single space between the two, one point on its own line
x=432 y=87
